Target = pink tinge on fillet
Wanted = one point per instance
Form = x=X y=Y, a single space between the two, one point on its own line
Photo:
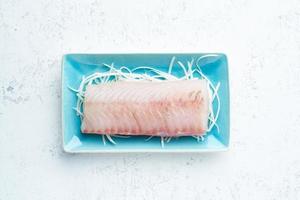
x=167 y=108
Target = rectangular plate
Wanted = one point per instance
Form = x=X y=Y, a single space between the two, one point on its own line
x=74 y=66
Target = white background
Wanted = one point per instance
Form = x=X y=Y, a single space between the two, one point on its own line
x=262 y=42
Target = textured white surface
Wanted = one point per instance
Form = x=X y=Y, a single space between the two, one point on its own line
x=262 y=41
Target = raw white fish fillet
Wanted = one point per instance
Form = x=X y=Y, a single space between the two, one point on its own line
x=166 y=108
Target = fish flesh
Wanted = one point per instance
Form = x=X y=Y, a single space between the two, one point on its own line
x=165 y=108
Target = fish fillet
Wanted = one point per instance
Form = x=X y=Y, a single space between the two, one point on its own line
x=166 y=108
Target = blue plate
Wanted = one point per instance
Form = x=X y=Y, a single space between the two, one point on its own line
x=74 y=66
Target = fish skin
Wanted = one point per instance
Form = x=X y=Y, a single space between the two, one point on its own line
x=166 y=108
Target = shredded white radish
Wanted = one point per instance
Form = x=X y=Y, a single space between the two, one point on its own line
x=162 y=142
x=110 y=139
x=103 y=140
x=171 y=65
x=125 y=74
x=149 y=138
